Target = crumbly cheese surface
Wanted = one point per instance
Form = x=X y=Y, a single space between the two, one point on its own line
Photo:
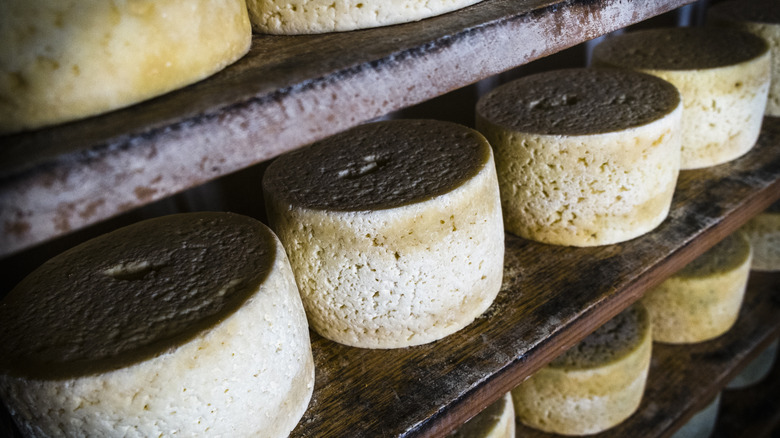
x=722 y=74
x=495 y=421
x=406 y=271
x=570 y=177
x=763 y=230
x=319 y=16
x=186 y=324
x=761 y=18
x=66 y=60
x=594 y=385
x=702 y=301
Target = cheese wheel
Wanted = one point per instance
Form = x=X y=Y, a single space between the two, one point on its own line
x=722 y=74
x=584 y=157
x=393 y=229
x=67 y=60
x=761 y=18
x=763 y=230
x=495 y=421
x=594 y=385
x=288 y=17
x=188 y=324
x=702 y=300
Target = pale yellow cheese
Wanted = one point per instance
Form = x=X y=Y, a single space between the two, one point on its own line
x=288 y=17
x=722 y=74
x=67 y=60
x=702 y=300
x=185 y=325
x=584 y=157
x=594 y=385
x=393 y=229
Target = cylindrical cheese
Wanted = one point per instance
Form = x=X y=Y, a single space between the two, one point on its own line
x=594 y=385
x=763 y=230
x=67 y=60
x=584 y=157
x=289 y=17
x=393 y=229
x=761 y=18
x=187 y=324
x=495 y=421
x=722 y=74
x=702 y=300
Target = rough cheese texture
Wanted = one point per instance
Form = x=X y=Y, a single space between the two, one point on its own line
x=185 y=325
x=763 y=230
x=584 y=157
x=495 y=421
x=393 y=229
x=702 y=300
x=722 y=74
x=761 y=18
x=594 y=385
x=66 y=60
x=288 y=17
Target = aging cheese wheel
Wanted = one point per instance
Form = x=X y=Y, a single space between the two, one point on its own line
x=763 y=230
x=584 y=157
x=702 y=300
x=393 y=229
x=66 y=60
x=722 y=74
x=594 y=385
x=761 y=18
x=188 y=324
x=319 y=16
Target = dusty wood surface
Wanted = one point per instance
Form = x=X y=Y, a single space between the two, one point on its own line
x=287 y=92
x=684 y=378
x=551 y=298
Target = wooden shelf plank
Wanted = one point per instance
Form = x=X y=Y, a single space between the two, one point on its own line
x=551 y=298
x=683 y=379
x=287 y=92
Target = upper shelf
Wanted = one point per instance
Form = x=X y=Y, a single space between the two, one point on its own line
x=287 y=92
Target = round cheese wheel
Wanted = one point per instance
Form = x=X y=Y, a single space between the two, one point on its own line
x=722 y=74
x=188 y=324
x=287 y=17
x=702 y=300
x=495 y=421
x=67 y=60
x=761 y=18
x=393 y=229
x=594 y=385
x=763 y=230
x=584 y=157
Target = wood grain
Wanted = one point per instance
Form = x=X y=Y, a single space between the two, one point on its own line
x=287 y=92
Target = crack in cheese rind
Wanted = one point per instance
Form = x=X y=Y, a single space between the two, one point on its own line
x=387 y=275
x=596 y=182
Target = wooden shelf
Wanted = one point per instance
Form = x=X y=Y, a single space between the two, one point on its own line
x=683 y=379
x=287 y=92
x=551 y=298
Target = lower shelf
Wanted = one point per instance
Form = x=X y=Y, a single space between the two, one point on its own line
x=684 y=378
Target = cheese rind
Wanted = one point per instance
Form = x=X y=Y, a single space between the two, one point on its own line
x=702 y=301
x=215 y=358
x=288 y=17
x=593 y=386
x=722 y=74
x=66 y=60
x=570 y=177
x=391 y=272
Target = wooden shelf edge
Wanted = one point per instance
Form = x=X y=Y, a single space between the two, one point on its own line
x=84 y=172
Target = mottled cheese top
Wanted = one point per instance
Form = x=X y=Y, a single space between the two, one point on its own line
x=683 y=48
x=759 y=11
x=132 y=294
x=609 y=343
x=726 y=256
x=578 y=102
x=378 y=165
